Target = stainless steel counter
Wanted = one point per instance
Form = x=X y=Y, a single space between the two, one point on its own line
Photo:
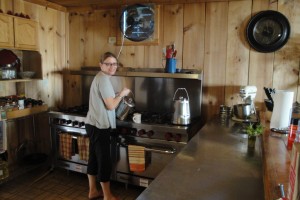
x=214 y=165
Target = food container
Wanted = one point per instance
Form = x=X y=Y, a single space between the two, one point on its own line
x=242 y=111
x=8 y=72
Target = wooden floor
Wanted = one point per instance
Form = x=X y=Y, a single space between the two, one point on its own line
x=58 y=184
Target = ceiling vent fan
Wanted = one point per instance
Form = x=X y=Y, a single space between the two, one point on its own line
x=137 y=22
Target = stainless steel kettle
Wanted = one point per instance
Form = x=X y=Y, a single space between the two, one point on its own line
x=181 y=113
x=124 y=107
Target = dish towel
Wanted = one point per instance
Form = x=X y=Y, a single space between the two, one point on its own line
x=65 y=144
x=83 y=147
x=136 y=157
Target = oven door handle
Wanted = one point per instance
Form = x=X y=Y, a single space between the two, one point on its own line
x=162 y=150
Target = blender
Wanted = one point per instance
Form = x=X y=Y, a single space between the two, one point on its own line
x=248 y=94
x=246 y=111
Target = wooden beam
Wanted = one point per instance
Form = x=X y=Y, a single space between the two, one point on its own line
x=48 y=4
x=92 y=5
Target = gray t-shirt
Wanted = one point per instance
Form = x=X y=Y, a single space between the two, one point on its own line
x=98 y=115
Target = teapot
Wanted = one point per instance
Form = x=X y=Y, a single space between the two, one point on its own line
x=181 y=109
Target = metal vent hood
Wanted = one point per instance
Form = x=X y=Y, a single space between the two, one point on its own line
x=142 y=72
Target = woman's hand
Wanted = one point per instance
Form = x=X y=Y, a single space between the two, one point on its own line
x=112 y=103
x=124 y=92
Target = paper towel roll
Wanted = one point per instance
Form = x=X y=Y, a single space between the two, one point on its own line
x=283 y=103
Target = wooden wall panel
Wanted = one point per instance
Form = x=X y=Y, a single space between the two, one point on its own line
x=173 y=29
x=132 y=56
x=215 y=57
x=6 y=5
x=237 y=51
x=212 y=30
x=193 y=36
x=76 y=44
x=50 y=89
x=153 y=53
x=261 y=64
x=287 y=59
x=90 y=24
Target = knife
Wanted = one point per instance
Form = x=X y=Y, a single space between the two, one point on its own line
x=268 y=92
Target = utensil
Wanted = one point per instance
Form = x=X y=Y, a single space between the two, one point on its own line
x=126 y=104
x=281 y=188
x=268 y=92
x=174 y=54
x=269 y=104
x=181 y=115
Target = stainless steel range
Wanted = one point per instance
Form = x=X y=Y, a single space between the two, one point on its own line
x=160 y=139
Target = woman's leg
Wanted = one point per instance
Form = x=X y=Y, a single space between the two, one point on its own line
x=107 y=192
x=93 y=191
x=92 y=163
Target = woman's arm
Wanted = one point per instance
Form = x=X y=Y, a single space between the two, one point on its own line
x=111 y=103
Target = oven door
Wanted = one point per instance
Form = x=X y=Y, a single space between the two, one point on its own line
x=67 y=152
x=158 y=153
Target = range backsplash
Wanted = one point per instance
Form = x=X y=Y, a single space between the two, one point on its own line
x=154 y=94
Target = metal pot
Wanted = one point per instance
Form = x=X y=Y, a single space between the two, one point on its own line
x=126 y=104
x=181 y=115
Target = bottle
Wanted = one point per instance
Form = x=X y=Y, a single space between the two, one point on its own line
x=2 y=113
x=297 y=138
x=292 y=133
x=3 y=165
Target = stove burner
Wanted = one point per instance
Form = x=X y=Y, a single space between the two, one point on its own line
x=79 y=110
x=154 y=117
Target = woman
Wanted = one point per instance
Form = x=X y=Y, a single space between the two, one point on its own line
x=101 y=118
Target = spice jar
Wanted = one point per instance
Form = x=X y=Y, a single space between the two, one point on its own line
x=292 y=133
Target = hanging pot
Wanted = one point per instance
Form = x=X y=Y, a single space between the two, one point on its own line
x=181 y=115
x=126 y=104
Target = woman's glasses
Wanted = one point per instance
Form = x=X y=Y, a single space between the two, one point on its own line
x=111 y=64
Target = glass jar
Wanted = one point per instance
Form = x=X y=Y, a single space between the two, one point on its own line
x=2 y=113
x=8 y=72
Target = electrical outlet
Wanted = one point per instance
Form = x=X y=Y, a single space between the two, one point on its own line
x=112 y=40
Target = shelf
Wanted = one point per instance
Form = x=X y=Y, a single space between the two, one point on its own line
x=20 y=80
x=142 y=72
x=26 y=112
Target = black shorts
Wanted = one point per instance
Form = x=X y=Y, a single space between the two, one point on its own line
x=99 y=163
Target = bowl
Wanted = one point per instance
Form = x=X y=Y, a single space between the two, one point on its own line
x=26 y=74
x=242 y=111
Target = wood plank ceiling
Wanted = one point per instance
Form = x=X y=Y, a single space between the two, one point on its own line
x=85 y=5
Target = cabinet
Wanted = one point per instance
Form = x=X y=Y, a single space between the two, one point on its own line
x=6 y=31
x=18 y=33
